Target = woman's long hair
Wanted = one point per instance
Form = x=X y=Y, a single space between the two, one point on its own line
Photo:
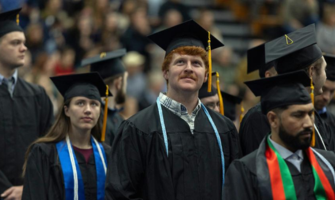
x=59 y=130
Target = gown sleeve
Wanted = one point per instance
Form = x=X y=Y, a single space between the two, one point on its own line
x=125 y=169
x=239 y=182
x=4 y=182
x=37 y=175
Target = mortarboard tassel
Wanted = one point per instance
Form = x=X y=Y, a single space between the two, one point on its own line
x=312 y=98
x=209 y=89
x=242 y=113
x=18 y=19
x=219 y=93
x=105 y=116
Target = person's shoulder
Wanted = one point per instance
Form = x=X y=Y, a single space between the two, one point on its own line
x=145 y=120
x=46 y=149
x=30 y=87
x=329 y=155
x=222 y=122
x=248 y=161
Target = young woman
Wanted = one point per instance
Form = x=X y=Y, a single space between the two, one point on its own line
x=69 y=162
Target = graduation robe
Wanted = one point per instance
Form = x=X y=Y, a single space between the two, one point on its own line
x=44 y=177
x=329 y=119
x=241 y=178
x=255 y=127
x=114 y=119
x=24 y=117
x=140 y=169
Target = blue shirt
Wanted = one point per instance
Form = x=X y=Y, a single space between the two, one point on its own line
x=295 y=158
x=13 y=77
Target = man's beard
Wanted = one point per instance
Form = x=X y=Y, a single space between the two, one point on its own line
x=295 y=141
x=120 y=97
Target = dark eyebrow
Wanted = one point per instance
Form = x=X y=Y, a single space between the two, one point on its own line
x=303 y=111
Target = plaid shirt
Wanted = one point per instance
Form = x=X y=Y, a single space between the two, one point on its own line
x=180 y=110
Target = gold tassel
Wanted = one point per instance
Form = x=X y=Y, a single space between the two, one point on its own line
x=18 y=19
x=219 y=93
x=209 y=88
x=105 y=117
x=312 y=98
x=242 y=113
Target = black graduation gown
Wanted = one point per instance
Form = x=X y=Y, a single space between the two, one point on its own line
x=44 y=178
x=23 y=118
x=255 y=127
x=329 y=119
x=114 y=120
x=140 y=169
x=241 y=178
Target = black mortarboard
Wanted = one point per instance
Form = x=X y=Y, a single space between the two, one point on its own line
x=330 y=70
x=294 y=51
x=282 y=90
x=256 y=61
x=188 y=33
x=230 y=102
x=107 y=64
x=88 y=85
x=9 y=22
x=203 y=90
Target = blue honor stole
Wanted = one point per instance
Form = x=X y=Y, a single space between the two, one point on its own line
x=73 y=181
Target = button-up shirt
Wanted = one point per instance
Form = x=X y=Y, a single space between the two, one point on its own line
x=295 y=158
x=180 y=110
x=13 y=78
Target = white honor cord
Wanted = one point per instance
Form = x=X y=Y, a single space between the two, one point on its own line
x=317 y=130
x=100 y=153
x=74 y=169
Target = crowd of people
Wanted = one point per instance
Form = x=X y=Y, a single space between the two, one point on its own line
x=140 y=99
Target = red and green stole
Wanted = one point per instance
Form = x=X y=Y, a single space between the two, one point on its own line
x=278 y=184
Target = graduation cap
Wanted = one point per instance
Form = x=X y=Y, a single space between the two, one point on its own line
x=9 y=22
x=230 y=102
x=188 y=33
x=283 y=90
x=89 y=85
x=203 y=92
x=256 y=61
x=294 y=51
x=330 y=70
x=107 y=64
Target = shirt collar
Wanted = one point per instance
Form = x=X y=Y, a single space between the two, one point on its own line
x=285 y=153
x=14 y=76
x=322 y=111
x=177 y=107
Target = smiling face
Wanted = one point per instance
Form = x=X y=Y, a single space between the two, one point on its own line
x=83 y=112
x=12 y=49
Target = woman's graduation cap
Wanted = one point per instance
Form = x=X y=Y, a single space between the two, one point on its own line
x=89 y=85
x=188 y=33
x=330 y=70
x=9 y=22
x=107 y=64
